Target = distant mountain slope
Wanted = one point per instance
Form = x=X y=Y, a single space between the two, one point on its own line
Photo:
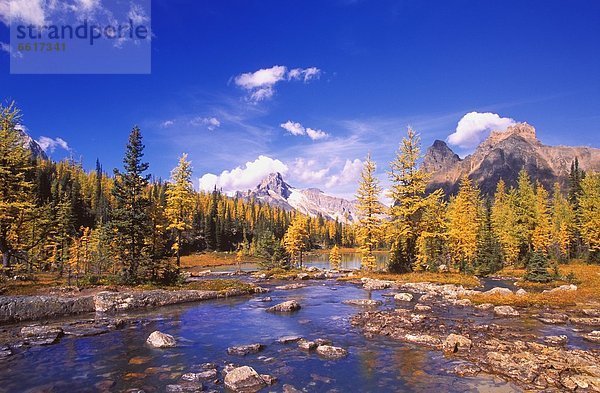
x=501 y=156
x=275 y=191
x=32 y=145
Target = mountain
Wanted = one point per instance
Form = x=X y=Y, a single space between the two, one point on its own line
x=31 y=144
x=501 y=156
x=312 y=201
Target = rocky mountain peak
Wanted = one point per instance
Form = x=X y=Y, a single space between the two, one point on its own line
x=31 y=144
x=522 y=130
x=274 y=182
x=439 y=156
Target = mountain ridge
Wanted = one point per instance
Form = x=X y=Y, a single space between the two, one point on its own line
x=501 y=156
x=275 y=191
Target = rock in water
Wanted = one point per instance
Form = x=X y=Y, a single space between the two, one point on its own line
x=363 y=302
x=41 y=335
x=289 y=306
x=456 y=342
x=403 y=297
x=244 y=380
x=505 y=311
x=331 y=352
x=161 y=340
x=243 y=350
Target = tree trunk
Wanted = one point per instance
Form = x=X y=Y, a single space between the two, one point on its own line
x=5 y=260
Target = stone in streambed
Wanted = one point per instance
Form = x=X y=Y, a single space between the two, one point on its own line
x=403 y=297
x=161 y=340
x=455 y=343
x=289 y=306
x=331 y=352
x=243 y=350
x=244 y=379
x=363 y=302
x=505 y=311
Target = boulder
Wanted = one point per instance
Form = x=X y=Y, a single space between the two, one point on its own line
x=423 y=339
x=585 y=321
x=593 y=336
x=161 y=340
x=307 y=345
x=499 y=291
x=289 y=306
x=464 y=303
x=331 y=352
x=562 y=288
x=521 y=292
x=505 y=311
x=374 y=284
x=363 y=302
x=484 y=306
x=303 y=276
x=323 y=341
x=244 y=380
x=403 y=297
x=288 y=339
x=422 y=308
x=553 y=319
x=443 y=269
x=41 y=335
x=290 y=286
x=243 y=350
x=455 y=343
x=556 y=340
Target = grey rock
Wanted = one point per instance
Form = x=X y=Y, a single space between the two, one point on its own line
x=244 y=380
x=505 y=311
x=243 y=350
x=331 y=352
x=161 y=340
x=289 y=306
x=363 y=302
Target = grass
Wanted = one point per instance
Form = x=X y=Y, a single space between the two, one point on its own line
x=210 y=259
x=280 y=273
x=219 y=285
x=588 y=291
x=467 y=281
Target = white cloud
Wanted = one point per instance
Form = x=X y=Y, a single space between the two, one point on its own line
x=316 y=134
x=243 y=177
x=474 y=127
x=293 y=128
x=348 y=176
x=167 y=123
x=261 y=84
x=297 y=129
x=49 y=145
x=306 y=172
x=26 y=11
x=210 y=122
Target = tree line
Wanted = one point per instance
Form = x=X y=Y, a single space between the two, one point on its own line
x=525 y=225
x=129 y=226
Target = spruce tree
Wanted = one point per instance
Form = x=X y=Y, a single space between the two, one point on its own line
x=488 y=258
x=130 y=217
x=537 y=268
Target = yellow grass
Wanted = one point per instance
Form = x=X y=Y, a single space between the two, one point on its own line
x=588 y=291
x=210 y=259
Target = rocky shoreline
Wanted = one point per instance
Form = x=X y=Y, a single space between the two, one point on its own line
x=440 y=320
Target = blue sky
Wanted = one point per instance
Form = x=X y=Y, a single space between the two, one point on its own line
x=345 y=76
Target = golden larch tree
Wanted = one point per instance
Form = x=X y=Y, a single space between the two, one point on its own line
x=335 y=258
x=295 y=239
x=369 y=213
x=589 y=214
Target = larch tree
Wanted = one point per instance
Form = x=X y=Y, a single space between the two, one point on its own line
x=180 y=202
x=504 y=221
x=17 y=199
x=525 y=212
x=295 y=239
x=542 y=232
x=407 y=191
x=432 y=241
x=335 y=258
x=464 y=224
x=563 y=222
x=589 y=214
x=369 y=213
x=130 y=217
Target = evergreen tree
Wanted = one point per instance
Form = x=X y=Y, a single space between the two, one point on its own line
x=537 y=268
x=488 y=258
x=369 y=213
x=407 y=192
x=525 y=213
x=589 y=214
x=180 y=202
x=130 y=218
